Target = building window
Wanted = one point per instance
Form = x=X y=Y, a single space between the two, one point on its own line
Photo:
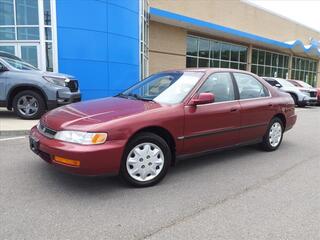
x=27 y=12
x=26 y=31
x=203 y=52
x=269 y=64
x=304 y=69
x=7 y=12
x=144 y=39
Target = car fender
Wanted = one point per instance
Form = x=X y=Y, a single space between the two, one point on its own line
x=24 y=86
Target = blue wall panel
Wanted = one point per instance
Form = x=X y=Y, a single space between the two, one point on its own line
x=83 y=14
x=78 y=68
x=120 y=73
x=132 y=5
x=118 y=15
x=82 y=44
x=123 y=49
x=98 y=43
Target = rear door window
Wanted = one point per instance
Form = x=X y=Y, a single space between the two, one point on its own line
x=249 y=87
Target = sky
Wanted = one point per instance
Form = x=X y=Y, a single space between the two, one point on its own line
x=306 y=12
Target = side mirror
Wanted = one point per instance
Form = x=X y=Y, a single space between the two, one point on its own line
x=278 y=85
x=202 y=98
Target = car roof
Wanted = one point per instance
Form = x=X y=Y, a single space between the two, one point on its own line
x=274 y=78
x=207 y=70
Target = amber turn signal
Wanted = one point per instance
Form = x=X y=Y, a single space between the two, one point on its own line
x=99 y=138
x=65 y=161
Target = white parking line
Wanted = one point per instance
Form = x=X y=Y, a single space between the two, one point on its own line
x=12 y=138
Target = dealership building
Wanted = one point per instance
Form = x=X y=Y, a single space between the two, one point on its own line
x=109 y=45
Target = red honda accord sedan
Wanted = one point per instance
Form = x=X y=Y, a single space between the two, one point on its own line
x=140 y=132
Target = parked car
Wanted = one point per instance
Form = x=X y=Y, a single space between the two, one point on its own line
x=301 y=96
x=29 y=91
x=304 y=85
x=140 y=132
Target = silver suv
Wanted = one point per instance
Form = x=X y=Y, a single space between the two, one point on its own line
x=29 y=91
x=301 y=96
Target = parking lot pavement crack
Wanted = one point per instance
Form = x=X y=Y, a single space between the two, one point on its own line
x=236 y=195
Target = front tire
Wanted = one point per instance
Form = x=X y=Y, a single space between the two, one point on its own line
x=28 y=105
x=146 y=160
x=273 y=137
x=295 y=98
x=302 y=104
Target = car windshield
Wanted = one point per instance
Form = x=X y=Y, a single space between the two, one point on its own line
x=166 y=88
x=295 y=83
x=19 y=64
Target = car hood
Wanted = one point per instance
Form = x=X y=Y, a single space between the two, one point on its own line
x=89 y=115
x=43 y=73
x=307 y=89
x=51 y=74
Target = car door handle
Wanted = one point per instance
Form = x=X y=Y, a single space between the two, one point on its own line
x=234 y=109
x=270 y=105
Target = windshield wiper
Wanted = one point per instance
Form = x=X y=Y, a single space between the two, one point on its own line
x=134 y=96
x=121 y=95
x=138 y=97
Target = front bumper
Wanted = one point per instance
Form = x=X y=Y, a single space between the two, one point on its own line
x=308 y=100
x=312 y=101
x=94 y=159
x=64 y=99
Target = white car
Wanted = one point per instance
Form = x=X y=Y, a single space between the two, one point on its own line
x=301 y=96
x=303 y=86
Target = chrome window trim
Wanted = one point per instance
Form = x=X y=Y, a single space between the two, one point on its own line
x=240 y=100
x=235 y=86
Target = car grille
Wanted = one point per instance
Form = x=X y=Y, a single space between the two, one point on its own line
x=73 y=85
x=313 y=94
x=46 y=131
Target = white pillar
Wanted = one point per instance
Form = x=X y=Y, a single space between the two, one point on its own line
x=249 y=58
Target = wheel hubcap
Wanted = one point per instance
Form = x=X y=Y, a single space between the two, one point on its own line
x=275 y=134
x=145 y=161
x=28 y=105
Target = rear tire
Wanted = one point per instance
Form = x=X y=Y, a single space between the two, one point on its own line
x=146 y=160
x=28 y=104
x=273 y=137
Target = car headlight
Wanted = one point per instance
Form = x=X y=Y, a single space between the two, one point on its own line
x=60 y=81
x=304 y=91
x=84 y=138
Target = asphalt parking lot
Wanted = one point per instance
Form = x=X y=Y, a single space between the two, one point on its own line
x=239 y=194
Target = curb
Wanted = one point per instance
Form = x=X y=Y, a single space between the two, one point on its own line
x=14 y=133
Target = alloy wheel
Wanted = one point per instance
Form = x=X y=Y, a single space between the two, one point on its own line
x=28 y=105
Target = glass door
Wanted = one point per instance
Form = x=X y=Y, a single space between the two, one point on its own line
x=30 y=53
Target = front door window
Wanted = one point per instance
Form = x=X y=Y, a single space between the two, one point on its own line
x=220 y=85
